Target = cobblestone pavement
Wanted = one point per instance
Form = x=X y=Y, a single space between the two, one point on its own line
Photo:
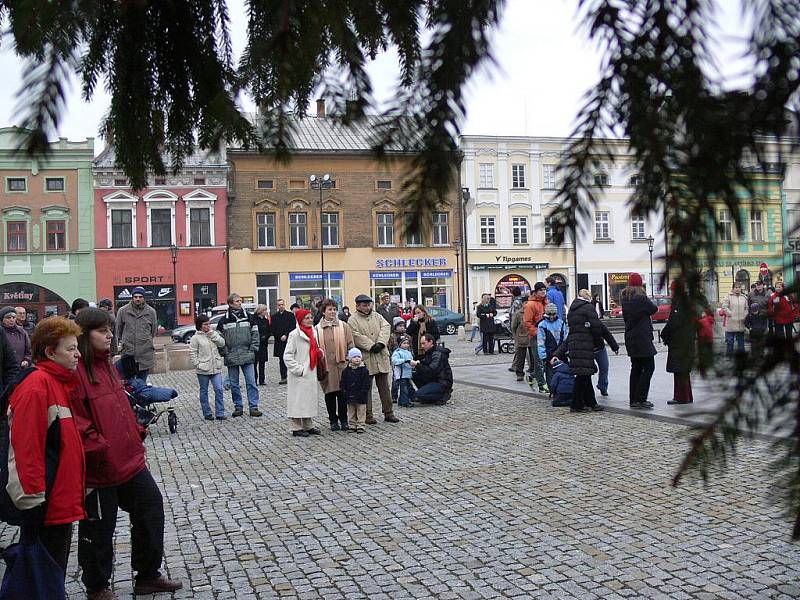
x=494 y=495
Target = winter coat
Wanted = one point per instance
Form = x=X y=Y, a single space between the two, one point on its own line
x=519 y=330
x=388 y=311
x=283 y=323
x=517 y=305
x=20 y=343
x=413 y=331
x=135 y=329
x=562 y=381
x=735 y=309
x=761 y=299
x=434 y=367
x=302 y=391
x=534 y=312
x=326 y=341
x=781 y=309
x=240 y=333
x=551 y=334
x=9 y=367
x=486 y=314
x=579 y=344
x=555 y=296
x=400 y=362
x=605 y=336
x=204 y=352
x=264 y=332
x=356 y=384
x=33 y=408
x=757 y=324
x=679 y=334
x=367 y=331
x=636 y=312
x=112 y=439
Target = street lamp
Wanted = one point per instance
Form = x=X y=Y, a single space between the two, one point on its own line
x=321 y=183
x=173 y=250
x=650 y=243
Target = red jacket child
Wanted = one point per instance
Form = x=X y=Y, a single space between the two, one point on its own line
x=780 y=307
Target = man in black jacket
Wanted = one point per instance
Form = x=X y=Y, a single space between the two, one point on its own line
x=432 y=373
x=283 y=322
x=9 y=366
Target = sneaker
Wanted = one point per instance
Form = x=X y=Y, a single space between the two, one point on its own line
x=237 y=413
x=371 y=421
x=543 y=389
x=104 y=594
x=154 y=586
x=254 y=412
x=344 y=426
x=282 y=382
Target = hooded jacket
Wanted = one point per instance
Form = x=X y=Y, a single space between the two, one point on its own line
x=534 y=312
x=583 y=326
x=781 y=309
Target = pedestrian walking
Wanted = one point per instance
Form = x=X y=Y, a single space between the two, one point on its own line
x=475 y=324
x=204 y=354
x=637 y=310
x=486 y=313
x=551 y=331
x=402 y=363
x=357 y=387
x=735 y=309
x=521 y=339
x=17 y=338
x=534 y=313
x=371 y=336
x=240 y=332
x=335 y=338
x=555 y=296
x=264 y=325
x=22 y=320
x=303 y=357
x=756 y=323
x=136 y=328
x=386 y=308
x=781 y=311
x=283 y=323
x=680 y=334
x=115 y=471
x=420 y=324
x=38 y=409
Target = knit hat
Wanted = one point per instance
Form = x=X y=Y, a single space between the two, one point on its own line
x=539 y=286
x=137 y=290
x=551 y=309
x=398 y=321
x=403 y=338
x=635 y=280
x=6 y=310
x=754 y=308
x=352 y=353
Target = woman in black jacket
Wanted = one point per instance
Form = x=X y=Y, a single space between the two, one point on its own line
x=420 y=324
x=637 y=309
x=679 y=334
x=486 y=312
x=264 y=333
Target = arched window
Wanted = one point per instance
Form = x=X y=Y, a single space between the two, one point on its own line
x=743 y=279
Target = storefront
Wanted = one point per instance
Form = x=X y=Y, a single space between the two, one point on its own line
x=39 y=302
x=428 y=288
x=160 y=297
x=306 y=289
x=502 y=291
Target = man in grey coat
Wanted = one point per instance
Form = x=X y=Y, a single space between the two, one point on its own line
x=242 y=341
x=136 y=327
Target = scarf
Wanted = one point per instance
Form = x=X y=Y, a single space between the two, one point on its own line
x=340 y=346
x=314 y=353
x=421 y=335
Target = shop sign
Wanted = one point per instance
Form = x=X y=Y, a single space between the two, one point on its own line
x=447 y=273
x=793 y=245
x=139 y=279
x=509 y=266
x=502 y=291
x=20 y=293
x=617 y=278
x=151 y=292
x=731 y=263
x=386 y=274
x=399 y=263
x=331 y=275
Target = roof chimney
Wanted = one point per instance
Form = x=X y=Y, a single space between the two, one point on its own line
x=320 y=107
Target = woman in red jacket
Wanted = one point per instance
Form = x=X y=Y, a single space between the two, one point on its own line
x=38 y=405
x=781 y=311
x=115 y=467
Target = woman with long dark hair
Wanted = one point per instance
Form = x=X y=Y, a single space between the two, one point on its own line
x=116 y=469
x=637 y=310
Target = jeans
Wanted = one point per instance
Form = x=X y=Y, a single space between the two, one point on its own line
x=250 y=381
x=730 y=336
x=432 y=392
x=473 y=332
x=641 y=373
x=262 y=371
x=141 y=499
x=219 y=400
x=601 y=358
x=406 y=392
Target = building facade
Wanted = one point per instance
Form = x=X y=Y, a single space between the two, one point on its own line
x=170 y=238
x=46 y=212
x=292 y=240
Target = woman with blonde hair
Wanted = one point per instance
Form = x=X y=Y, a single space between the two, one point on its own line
x=335 y=338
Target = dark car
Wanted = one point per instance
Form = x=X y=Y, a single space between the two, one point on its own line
x=447 y=320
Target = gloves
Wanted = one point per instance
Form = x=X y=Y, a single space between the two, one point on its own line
x=376 y=348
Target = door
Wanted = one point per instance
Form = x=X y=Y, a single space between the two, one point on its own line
x=205 y=298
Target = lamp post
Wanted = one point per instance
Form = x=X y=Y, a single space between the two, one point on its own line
x=650 y=243
x=459 y=272
x=465 y=196
x=173 y=250
x=321 y=183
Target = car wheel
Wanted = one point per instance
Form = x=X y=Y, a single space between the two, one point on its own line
x=188 y=337
x=450 y=329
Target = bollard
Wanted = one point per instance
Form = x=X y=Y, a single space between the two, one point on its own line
x=462 y=333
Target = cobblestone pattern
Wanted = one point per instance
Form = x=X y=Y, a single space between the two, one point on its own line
x=495 y=495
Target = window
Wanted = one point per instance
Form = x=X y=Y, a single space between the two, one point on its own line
x=519 y=230
x=330 y=229
x=54 y=184
x=487 y=230
x=549 y=230
x=297 y=230
x=17 y=236
x=56 y=235
x=297 y=184
x=121 y=228
x=486 y=175
x=725 y=226
x=264 y=184
x=549 y=177
x=756 y=230
x=384 y=184
x=16 y=184
x=120 y=183
x=637 y=227
x=267 y=289
x=265 y=223
x=635 y=180
x=413 y=238
x=385 y=229
x=441 y=234
x=601 y=179
x=199 y=180
x=200 y=226
x=517 y=176
x=160 y=181
x=160 y=227
x=602 y=225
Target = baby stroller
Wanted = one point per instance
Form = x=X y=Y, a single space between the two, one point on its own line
x=145 y=398
x=503 y=336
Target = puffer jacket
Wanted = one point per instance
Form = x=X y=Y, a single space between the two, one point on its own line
x=434 y=367
x=736 y=310
x=136 y=327
x=636 y=312
x=579 y=344
x=33 y=408
x=400 y=362
x=112 y=439
x=534 y=312
x=204 y=352
x=551 y=334
x=781 y=309
x=240 y=332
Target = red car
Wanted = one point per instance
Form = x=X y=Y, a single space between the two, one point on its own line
x=664 y=304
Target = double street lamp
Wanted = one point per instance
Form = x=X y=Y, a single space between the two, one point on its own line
x=321 y=183
x=650 y=246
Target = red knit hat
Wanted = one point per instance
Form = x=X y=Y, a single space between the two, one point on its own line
x=635 y=280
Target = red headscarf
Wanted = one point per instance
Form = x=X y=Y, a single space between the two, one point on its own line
x=314 y=353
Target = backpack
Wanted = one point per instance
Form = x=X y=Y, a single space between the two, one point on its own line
x=9 y=513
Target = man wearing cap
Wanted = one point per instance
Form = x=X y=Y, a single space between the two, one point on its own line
x=135 y=329
x=386 y=309
x=534 y=312
x=371 y=336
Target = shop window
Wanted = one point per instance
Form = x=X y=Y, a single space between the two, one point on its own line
x=200 y=226
x=486 y=175
x=756 y=226
x=330 y=229
x=298 y=234
x=56 y=235
x=488 y=232
x=265 y=184
x=519 y=230
x=54 y=184
x=267 y=290
x=517 y=176
x=121 y=228
x=637 y=227
x=308 y=288
x=385 y=229
x=16 y=184
x=441 y=232
x=725 y=226
x=602 y=225
x=17 y=240
x=160 y=227
x=549 y=177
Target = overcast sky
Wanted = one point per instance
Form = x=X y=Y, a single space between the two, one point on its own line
x=545 y=66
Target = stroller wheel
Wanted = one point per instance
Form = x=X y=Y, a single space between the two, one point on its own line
x=172 y=421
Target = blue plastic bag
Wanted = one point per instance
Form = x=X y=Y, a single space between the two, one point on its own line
x=31 y=573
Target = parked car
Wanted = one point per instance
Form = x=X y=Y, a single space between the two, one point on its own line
x=663 y=303
x=184 y=333
x=447 y=320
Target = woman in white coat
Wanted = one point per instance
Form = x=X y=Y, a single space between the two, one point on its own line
x=302 y=356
